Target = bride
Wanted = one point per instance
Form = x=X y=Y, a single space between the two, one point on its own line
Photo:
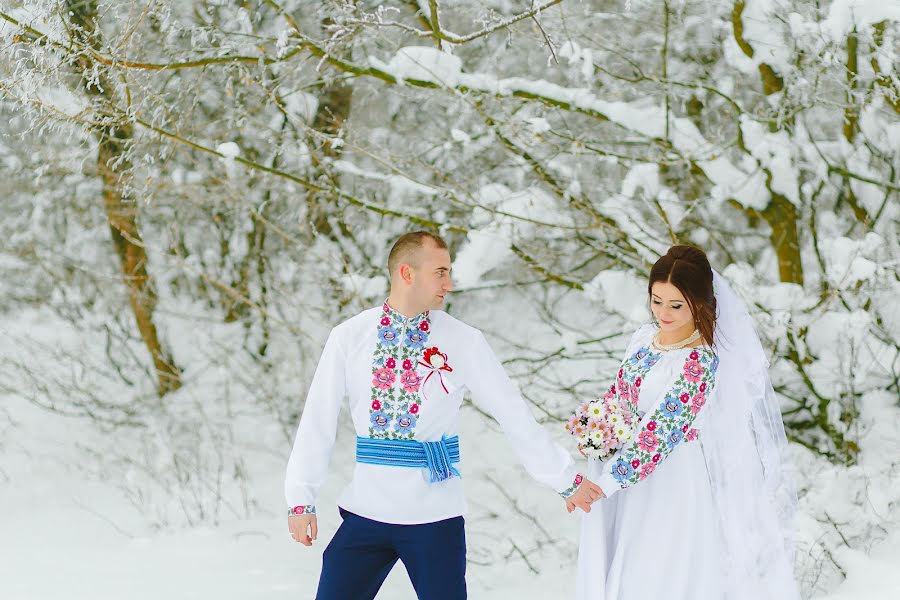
x=699 y=505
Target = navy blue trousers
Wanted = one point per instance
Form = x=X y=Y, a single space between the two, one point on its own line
x=363 y=552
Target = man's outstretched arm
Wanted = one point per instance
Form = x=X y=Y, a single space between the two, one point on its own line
x=544 y=459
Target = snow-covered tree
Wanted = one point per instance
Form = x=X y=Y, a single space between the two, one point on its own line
x=251 y=162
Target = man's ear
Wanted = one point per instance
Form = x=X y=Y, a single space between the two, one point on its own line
x=405 y=273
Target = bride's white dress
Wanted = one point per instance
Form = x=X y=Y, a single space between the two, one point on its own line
x=655 y=535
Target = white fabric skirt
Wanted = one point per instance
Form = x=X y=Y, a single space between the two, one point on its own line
x=656 y=539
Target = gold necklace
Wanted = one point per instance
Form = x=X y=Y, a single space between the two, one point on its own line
x=677 y=345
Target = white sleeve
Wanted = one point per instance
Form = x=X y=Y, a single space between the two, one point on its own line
x=307 y=467
x=492 y=389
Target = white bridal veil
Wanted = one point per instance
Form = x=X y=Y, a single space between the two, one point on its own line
x=749 y=462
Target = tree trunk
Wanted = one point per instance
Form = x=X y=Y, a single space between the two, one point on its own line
x=781 y=216
x=114 y=136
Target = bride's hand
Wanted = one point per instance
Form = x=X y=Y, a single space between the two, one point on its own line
x=584 y=496
x=581 y=452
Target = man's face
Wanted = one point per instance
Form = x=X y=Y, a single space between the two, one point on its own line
x=430 y=278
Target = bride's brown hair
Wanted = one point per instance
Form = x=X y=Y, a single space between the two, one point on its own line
x=687 y=268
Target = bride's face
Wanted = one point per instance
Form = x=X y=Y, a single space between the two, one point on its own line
x=670 y=308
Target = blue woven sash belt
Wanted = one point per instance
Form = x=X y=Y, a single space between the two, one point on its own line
x=437 y=457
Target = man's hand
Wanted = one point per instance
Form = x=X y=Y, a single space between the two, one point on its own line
x=587 y=493
x=304 y=528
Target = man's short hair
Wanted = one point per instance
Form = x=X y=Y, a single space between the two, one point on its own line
x=408 y=244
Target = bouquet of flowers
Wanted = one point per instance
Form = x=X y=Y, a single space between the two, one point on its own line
x=602 y=426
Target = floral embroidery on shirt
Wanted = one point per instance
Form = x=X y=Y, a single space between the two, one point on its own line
x=572 y=488
x=307 y=509
x=670 y=423
x=631 y=375
x=396 y=383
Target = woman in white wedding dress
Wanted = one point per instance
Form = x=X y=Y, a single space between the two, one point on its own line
x=699 y=506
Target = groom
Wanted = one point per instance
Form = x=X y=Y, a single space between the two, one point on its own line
x=404 y=367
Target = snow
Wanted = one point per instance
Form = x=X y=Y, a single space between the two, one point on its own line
x=643 y=176
x=402 y=188
x=460 y=136
x=483 y=251
x=844 y=15
x=847 y=261
x=538 y=125
x=872 y=576
x=301 y=105
x=228 y=150
x=423 y=63
x=775 y=152
x=621 y=292
x=368 y=288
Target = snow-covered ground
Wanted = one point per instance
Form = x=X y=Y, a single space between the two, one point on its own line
x=66 y=536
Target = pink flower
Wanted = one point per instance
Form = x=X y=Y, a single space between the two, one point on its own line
x=684 y=429
x=376 y=405
x=697 y=403
x=647 y=470
x=593 y=425
x=685 y=398
x=647 y=441
x=391 y=363
x=410 y=380
x=693 y=371
x=651 y=426
x=578 y=479
x=578 y=430
x=570 y=424
x=385 y=321
x=386 y=308
x=414 y=409
x=407 y=365
x=703 y=386
x=424 y=326
x=635 y=463
x=634 y=394
x=656 y=458
x=383 y=378
x=637 y=382
x=621 y=373
x=692 y=435
x=299 y=510
x=583 y=410
x=694 y=355
x=623 y=387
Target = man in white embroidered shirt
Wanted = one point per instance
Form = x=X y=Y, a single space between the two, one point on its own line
x=404 y=367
